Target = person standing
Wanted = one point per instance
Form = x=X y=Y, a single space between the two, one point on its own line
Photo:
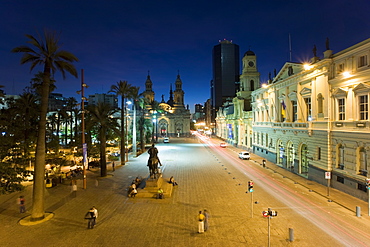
x=200 y=222
x=95 y=214
x=74 y=188
x=206 y=216
x=113 y=166
x=22 y=204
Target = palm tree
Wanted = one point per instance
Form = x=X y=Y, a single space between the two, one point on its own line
x=135 y=97
x=122 y=88
x=47 y=53
x=26 y=113
x=71 y=107
x=101 y=115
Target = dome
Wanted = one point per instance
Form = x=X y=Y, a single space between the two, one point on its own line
x=249 y=53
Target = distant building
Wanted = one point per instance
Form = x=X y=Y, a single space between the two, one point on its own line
x=225 y=61
x=110 y=99
x=56 y=102
x=199 y=114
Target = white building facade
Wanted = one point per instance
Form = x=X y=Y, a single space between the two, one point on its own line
x=314 y=118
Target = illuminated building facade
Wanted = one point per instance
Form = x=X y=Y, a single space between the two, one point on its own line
x=313 y=118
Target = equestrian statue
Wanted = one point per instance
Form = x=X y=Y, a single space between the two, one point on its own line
x=153 y=161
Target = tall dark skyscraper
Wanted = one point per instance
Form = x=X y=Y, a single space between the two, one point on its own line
x=225 y=80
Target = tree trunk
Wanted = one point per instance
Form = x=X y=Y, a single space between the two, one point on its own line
x=103 y=161
x=38 y=209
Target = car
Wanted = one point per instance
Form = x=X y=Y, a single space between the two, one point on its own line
x=223 y=144
x=244 y=155
x=166 y=140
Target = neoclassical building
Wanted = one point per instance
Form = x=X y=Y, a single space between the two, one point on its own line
x=234 y=119
x=313 y=119
x=174 y=119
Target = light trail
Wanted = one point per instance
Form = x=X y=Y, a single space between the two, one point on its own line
x=343 y=231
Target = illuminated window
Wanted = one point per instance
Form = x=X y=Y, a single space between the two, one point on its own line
x=341 y=109
x=308 y=108
x=362 y=61
x=295 y=110
x=363 y=101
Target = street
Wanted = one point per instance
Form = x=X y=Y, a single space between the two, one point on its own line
x=209 y=177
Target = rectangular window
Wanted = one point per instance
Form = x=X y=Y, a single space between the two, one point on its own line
x=363 y=101
x=362 y=61
x=362 y=187
x=340 y=179
x=341 y=109
x=308 y=108
x=295 y=109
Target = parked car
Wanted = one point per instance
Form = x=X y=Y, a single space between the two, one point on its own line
x=244 y=155
x=166 y=140
x=223 y=144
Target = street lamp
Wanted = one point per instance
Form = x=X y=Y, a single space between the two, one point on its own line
x=126 y=126
x=84 y=145
x=154 y=120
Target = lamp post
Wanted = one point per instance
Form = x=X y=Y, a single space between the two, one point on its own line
x=126 y=125
x=84 y=145
x=154 y=139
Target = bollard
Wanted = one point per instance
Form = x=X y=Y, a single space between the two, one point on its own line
x=358 y=211
x=291 y=234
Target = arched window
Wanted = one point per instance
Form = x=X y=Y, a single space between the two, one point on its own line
x=252 y=85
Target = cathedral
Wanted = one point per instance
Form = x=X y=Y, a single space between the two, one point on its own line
x=171 y=118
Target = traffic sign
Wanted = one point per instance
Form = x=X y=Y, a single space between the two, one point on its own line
x=265 y=214
x=327 y=175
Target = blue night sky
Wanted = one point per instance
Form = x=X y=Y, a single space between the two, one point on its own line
x=123 y=40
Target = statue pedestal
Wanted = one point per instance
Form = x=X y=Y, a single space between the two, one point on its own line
x=154 y=182
x=151 y=186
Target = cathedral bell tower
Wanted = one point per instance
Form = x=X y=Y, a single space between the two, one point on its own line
x=178 y=93
x=149 y=93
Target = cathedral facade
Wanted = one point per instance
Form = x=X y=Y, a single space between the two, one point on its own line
x=170 y=118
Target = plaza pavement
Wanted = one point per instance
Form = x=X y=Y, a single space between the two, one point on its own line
x=123 y=221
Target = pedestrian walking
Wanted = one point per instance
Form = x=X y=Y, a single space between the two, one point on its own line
x=91 y=219
x=113 y=165
x=22 y=204
x=200 y=222
x=206 y=216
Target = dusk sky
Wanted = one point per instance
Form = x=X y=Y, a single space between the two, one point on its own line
x=123 y=40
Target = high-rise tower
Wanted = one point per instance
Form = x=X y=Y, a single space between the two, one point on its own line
x=224 y=85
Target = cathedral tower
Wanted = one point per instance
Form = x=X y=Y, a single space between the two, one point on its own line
x=149 y=93
x=179 y=93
